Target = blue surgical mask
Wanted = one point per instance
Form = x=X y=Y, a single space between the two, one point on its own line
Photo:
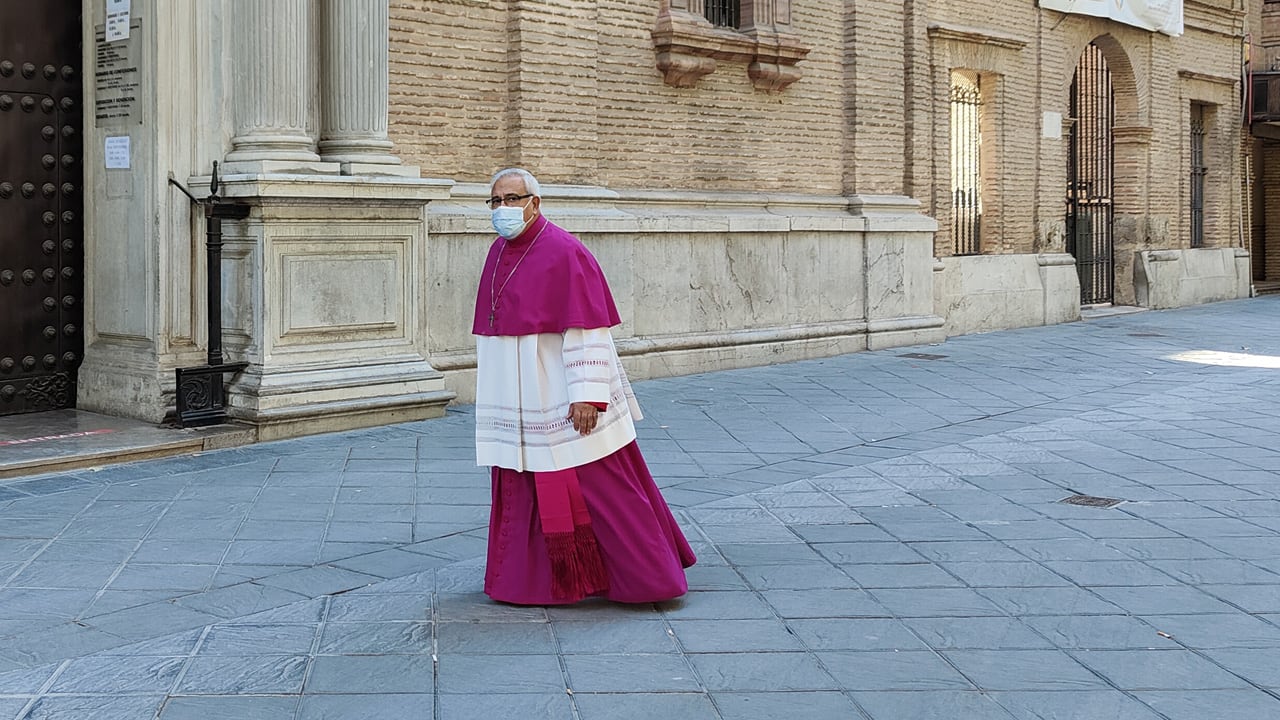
x=508 y=221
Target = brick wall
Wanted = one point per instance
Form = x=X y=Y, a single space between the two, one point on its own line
x=573 y=92
x=570 y=89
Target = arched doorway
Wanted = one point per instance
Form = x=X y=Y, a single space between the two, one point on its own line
x=41 y=205
x=1091 y=176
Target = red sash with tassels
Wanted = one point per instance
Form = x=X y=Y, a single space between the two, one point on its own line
x=577 y=570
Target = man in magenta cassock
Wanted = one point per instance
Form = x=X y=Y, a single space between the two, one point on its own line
x=575 y=511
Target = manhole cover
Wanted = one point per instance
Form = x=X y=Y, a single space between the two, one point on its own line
x=922 y=356
x=1091 y=501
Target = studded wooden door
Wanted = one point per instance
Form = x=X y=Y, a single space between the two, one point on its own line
x=41 y=204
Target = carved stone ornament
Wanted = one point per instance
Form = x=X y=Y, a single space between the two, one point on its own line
x=688 y=47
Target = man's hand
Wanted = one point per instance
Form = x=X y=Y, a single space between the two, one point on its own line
x=584 y=416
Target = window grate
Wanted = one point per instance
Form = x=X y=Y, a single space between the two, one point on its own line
x=1198 y=172
x=966 y=164
x=723 y=13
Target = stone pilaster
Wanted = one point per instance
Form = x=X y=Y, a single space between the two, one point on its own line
x=274 y=61
x=354 y=43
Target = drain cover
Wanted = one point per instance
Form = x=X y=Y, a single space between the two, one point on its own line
x=1091 y=501
x=693 y=401
x=921 y=356
x=1145 y=334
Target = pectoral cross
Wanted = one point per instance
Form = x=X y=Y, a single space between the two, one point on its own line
x=490 y=318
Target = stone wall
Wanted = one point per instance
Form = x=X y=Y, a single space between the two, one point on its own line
x=708 y=281
x=1176 y=278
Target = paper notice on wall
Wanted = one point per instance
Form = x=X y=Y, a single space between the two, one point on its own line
x=117 y=151
x=117 y=20
x=1051 y=128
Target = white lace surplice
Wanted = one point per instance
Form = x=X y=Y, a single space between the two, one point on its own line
x=524 y=385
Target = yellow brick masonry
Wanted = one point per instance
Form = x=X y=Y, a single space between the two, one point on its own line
x=571 y=89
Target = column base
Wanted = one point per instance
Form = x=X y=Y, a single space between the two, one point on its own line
x=233 y=166
x=388 y=169
x=124 y=378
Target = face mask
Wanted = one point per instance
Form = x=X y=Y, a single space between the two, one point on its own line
x=508 y=221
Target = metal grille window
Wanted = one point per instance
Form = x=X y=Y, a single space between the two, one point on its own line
x=1198 y=172
x=723 y=13
x=1090 y=171
x=966 y=162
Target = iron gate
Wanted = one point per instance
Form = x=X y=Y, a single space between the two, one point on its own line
x=966 y=164
x=1089 y=177
x=41 y=204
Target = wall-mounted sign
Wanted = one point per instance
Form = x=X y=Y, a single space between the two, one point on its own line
x=117 y=79
x=1159 y=15
x=117 y=20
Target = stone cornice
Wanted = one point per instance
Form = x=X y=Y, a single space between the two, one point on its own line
x=326 y=188
x=1129 y=134
x=975 y=36
x=1207 y=77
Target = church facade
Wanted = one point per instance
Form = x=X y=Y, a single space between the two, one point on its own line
x=762 y=181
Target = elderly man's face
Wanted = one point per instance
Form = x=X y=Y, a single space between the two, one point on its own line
x=514 y=185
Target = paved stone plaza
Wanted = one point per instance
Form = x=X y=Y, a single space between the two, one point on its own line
x=880 y=536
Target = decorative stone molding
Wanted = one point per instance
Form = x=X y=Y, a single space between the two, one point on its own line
x=974 y=36
x=1228 y=80
x=688 y=46
x=1131 y=135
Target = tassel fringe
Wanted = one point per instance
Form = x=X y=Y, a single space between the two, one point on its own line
x=594 y=577
x=577 y=570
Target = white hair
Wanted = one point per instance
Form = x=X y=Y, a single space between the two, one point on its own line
x=530 y=182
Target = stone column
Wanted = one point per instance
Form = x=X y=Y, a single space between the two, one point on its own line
x=354 y=43
x=274 y=61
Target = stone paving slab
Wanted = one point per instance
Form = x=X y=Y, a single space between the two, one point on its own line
x=879 y=537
